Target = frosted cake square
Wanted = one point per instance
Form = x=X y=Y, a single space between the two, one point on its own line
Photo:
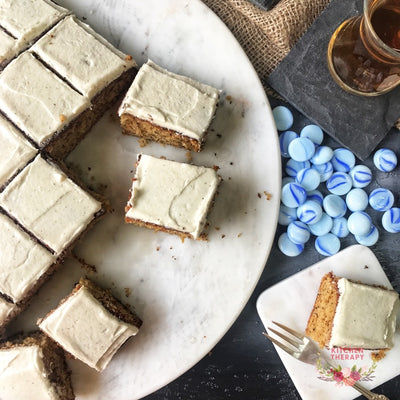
x=90 y=324
x=34 y=367
x=353 y=315
x=92 y=62
x=168 y=108
x=172 y=197
x=47 y=203
x=22 y=22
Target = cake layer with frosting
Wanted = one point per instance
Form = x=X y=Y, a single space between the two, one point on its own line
x=171 y=101
x=49 y=204
x=33 y=367
x=86 y=329
x=92 y=62
x=16 y=151
x=172 y=195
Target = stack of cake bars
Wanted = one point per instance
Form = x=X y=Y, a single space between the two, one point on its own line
x=57 y=78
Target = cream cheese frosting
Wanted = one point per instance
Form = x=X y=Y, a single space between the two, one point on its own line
x=92 y=63
x=365 y=316
x=172 y=194
x=171 y=101
x=36 y=100
x=23 y=375
x=49 y=204
x=16 y=151
x=9 y=47
x=84 y=328
x=22 y=260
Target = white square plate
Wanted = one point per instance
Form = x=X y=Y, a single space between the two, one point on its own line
x=290 y=302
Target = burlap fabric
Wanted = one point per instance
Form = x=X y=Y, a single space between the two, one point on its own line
x=268 y=35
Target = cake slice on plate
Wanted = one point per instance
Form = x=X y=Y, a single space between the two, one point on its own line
x=34 y=367
x=90 y=324
x=168 y=108
x=353 y=315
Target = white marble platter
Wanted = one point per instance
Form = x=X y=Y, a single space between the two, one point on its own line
x=187 y=293
x=290 y=302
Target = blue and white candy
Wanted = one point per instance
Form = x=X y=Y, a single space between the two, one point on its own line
x=323 y=226
x=293 y=195
x=343 y=160
x=391 y=220
x=284 y=140
x=293 y=167
x=286 y=215
x=370 y=238
x=322 y=155
x=283 y=118
x=298 y=232
x=309 y=212
x=339 y=183
x=327 y=245
x=309 y=178
x=313 y=132
x=359 y=223
x=361 y=176
x=287 y=247
x=357 y=199
x=381 y=199
x=385 y=160
x=334 y=206
x=339 y=227
x=325 y=170
x=301 y=149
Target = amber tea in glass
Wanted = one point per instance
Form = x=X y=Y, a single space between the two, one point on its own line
x=364 y=51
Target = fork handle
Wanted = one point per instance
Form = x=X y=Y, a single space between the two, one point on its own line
x=368 y=394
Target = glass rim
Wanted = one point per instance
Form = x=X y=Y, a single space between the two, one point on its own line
x=367 y=19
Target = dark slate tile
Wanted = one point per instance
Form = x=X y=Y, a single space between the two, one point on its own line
x=303 y=79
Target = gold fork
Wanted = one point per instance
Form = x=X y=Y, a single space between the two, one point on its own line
x=306 y=350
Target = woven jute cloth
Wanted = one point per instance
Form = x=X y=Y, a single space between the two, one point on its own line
x=267 y=36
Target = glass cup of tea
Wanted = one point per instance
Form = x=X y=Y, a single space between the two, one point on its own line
x=364 y=51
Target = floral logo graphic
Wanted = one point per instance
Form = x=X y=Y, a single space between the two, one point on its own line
x=346 y=376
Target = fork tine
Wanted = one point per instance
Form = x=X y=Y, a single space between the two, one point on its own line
x=291 y=331
x=293 y=342
x=279 y=344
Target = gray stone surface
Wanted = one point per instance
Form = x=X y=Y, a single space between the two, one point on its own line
x=303 y=79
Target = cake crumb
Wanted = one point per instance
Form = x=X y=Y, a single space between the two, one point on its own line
x=378 y=355
x=222 y=236
x=240 y=234
x=143 y=142
x=268 y=196
x=189 y=156
x=158 y=248
x=127 y=291
x=259 y=195
x=128 y=57
x=63 y=118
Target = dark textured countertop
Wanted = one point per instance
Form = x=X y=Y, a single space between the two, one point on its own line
x=244 y=365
